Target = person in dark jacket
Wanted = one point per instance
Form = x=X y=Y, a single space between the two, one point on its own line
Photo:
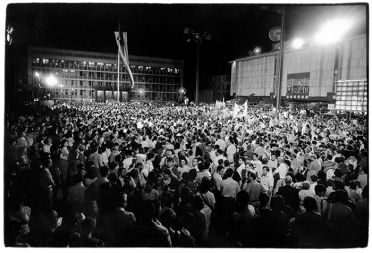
x=289 y=193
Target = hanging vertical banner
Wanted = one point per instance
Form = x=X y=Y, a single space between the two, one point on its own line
x=122 y=42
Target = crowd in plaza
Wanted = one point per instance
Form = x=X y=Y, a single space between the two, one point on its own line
x=148 y=175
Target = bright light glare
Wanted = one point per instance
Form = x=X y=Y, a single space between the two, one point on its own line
x=257 y=50
x=37 y=74
x=298 y=43
x=51 y=80
x=332 y=31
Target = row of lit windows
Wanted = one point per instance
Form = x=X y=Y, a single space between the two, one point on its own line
x=71 y=54
x=56 y=63
x=297 y=96
x=351 y=108
x=349 y=102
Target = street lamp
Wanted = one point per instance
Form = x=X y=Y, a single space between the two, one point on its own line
x=198 y=38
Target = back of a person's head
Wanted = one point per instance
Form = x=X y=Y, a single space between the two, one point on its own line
x=252 y=175
x=305 y=185
x=338 y=185
x=341 y=196
x=319 y=188
x=192 y=174
x=314 y=178
x=204 y=185
x=242 y=200
x=277 y=203
x=310 y=204
x=338 y=173
x=226 y=163
x=103 y=170
x=288 y=180
x=322 y=175
x=229 y=172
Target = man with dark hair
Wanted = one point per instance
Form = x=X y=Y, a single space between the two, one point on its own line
x=116 y=222
x=289 y=193
x=253 y=188
x=148 y=231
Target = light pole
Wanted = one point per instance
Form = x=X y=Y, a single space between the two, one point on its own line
x=198 y=38
x=279 y=93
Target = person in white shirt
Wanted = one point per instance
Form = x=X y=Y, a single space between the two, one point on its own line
x=183 y=168
x=213 y=152
x=221 y=143
x=267 y=180
x=217 y=177
x=231 y=149
x=144 y=143
x=229 y=187
x=241 y=167
x=305 y=191
x=313 y=183
x=257 y=165
x=272 y=163
x=282 y=172
x=282 y=169
x=128 y=159
x=219 y=155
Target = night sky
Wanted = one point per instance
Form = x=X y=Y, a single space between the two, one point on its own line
x=157 y=29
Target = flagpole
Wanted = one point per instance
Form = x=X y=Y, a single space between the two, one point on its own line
x=118 y=80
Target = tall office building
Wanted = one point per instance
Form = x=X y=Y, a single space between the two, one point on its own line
x=80 y=75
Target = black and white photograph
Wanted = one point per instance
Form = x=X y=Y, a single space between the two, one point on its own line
x=158 y=124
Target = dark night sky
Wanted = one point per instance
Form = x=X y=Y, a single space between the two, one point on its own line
x=157 y=29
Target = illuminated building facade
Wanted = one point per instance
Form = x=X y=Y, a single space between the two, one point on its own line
x=79 y=75
x=310 y=74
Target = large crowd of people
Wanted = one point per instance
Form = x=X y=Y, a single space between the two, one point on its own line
x=148 y=175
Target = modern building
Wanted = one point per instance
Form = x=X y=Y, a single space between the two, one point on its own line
x=310 y=74
x=218 y=89
x=80 y=75
x=221 y=87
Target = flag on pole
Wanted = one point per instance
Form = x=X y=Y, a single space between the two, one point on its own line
x=122 y=42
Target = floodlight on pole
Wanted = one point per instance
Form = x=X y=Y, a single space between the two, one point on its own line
x=51 y=80
x=332 y=31
x=198 y=37
x=298 y=43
